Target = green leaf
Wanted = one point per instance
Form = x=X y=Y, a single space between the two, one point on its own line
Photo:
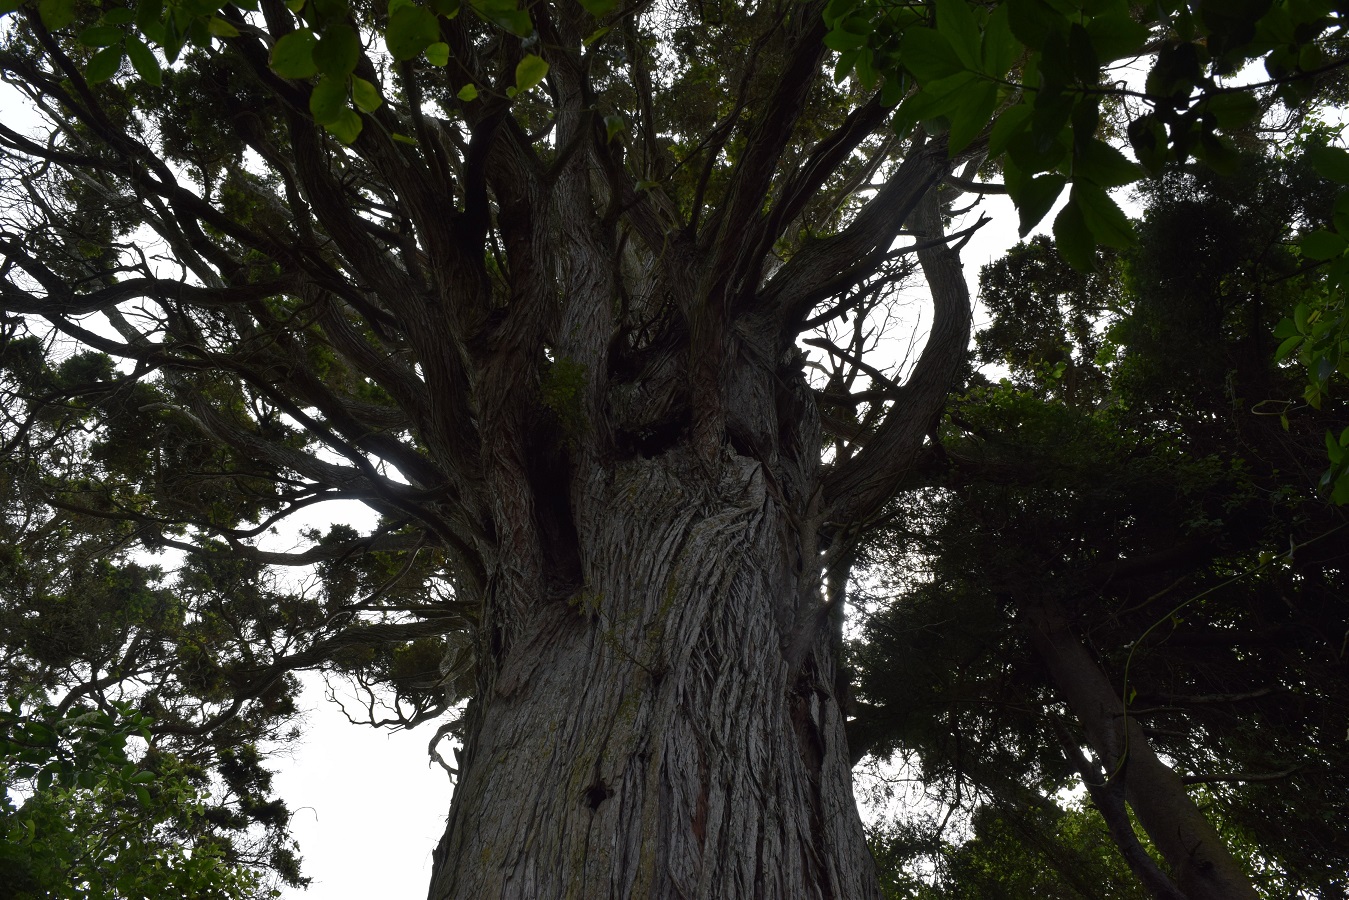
x=346 y=127
x=928 y=55
x=599 y=8
x=404 y=139
x=1034 y=21
x=1102 y=164
x=104 y=64
x=144 y=61
x=119 y=16
x=1340 y=215
x=1108 y=223
x=1011 y=123
x=1034 y=198
x=956 y=23
x=468 y=93
x=1074 y=240
x=972 y=116
x=1322 y=244
x=438 y=54
x=328 y=99
x=1115 y=35
x=293 y=55
x=503 y=14
x=56 y=13
x=100 y=36
x=1234 y=110
x=9 y=6
x=338 y=50
x=595 y=35
x=411 y=30
x=1001 y=47
x=221 y=28
x=447 y=8
x=613 y=125
x=1330 y=162
x=365 y=94
x=529 y=72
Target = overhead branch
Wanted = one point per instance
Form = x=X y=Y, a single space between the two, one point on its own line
x=858 y=487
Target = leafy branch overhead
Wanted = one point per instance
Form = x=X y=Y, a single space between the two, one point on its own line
x=1035 y=79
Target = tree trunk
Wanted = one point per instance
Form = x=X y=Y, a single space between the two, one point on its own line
x=1200 y=862
x=653 y=737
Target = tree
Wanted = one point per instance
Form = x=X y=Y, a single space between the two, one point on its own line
x=531 y=284
x=541 y=313
x=1099 y=565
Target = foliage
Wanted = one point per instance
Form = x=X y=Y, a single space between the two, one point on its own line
x=1030 y=77
x=94 y=823
x=1135 y=472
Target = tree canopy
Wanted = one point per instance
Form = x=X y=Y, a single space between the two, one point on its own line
x=592 y=304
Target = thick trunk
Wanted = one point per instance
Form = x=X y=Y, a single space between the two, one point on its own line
x=651 y=738
x=1200 y=862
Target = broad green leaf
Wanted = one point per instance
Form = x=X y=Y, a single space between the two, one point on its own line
x=1330 y=162
x=346 y=127
x=438 y=54
x=328 y=99
x=293 y=55
x=100 y=36
x=1148 y=137
x=972 y=116
x=338 y=50
x=56 y=13
x=928 y=55
x=104 y=64
x=119 y=16
x=956 y=23
x=1108 y=223
x=529 y=72
x=365 y=94
x=144 y=61
x=1115 y=35
x=1034 y=21
x=404 y=139
x=148 y=14
x=504 y=14
x=221 y=28
x=1010 y=123
x=1341 y=212
x=595 y=35
x=468 y=93
x=1073 y=237
x=411 y=30
x=1034 y=197
x=613 y=125
x=447 y=8
x=1097 y=161
x=842 y=40
x=1234 y=110
x=1000 y=46
x=1322 y=244
x=9 y=6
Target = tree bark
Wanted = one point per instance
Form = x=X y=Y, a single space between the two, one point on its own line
x=1200 y=863
x=651 y=738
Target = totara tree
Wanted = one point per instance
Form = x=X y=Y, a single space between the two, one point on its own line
x=535 y=285
x=537 y=300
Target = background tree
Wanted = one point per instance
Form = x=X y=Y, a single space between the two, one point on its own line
x=1117 y=501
